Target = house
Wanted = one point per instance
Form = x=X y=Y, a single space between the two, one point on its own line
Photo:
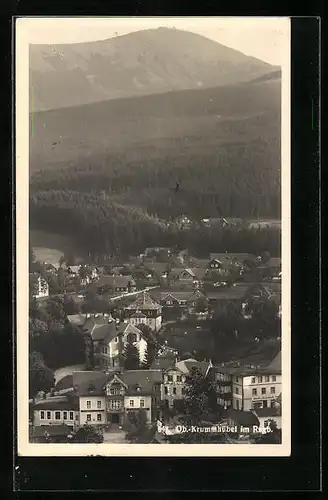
x=181 y=298
x=156 y=270
x=130 y=333
x=254 y=388
x=187 y=276
x=39 y=285
x=144 y=310
x=264 y=415
x=172 y=388
x=64 y=386
x=222 y=261
x=222 y=380
x=57 y=410
x=115 y=284
x=109 y=398
x=174 y=378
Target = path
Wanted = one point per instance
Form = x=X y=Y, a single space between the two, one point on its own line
x=67 y=370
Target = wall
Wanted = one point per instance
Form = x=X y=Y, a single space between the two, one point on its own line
x=245 y=388
x=94 y=411
x=137 y=404
x=53 y=421
x=171 y=385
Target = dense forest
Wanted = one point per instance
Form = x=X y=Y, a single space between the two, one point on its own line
x=106 y=174
x=102 y=228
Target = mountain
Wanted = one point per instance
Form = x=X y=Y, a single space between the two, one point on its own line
x=160 y=125
x=136 y=64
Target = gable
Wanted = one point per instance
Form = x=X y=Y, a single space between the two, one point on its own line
x=116 y=380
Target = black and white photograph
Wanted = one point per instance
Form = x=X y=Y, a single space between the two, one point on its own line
x=153 y=238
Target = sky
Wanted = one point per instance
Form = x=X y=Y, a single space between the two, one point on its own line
x=266 y=38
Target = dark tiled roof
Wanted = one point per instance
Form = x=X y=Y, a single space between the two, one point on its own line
x=144 y=301
x=93 y=387
x=268 y=412
x=82 y=377
x=104 y=332
x=114 y=281
x=162 y=364
x=275 y=363
x=92 y=321
x=179 y=294
x=144 y=379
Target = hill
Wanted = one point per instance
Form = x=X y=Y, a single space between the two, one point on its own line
x=140 y=63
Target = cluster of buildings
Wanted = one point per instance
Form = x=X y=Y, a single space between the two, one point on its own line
x=105 y=398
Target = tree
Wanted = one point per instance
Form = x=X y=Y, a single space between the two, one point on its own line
x=41 y=378
x=198 y=407
x=131 y=356
x=201 y=305
x=265 y=257
x=87 y=434
x=136 y=425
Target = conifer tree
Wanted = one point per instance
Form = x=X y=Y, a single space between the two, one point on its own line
x=131 y=356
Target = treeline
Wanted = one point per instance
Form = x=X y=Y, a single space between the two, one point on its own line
x=101 y=227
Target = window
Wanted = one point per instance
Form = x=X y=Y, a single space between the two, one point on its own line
x=237 y=405
x=263 y=390
x=170 y=378
x=169 y=302
x=57 y=415
x=49 y=415
x=237 y=379
x=65 y=415
x=183 y=391
x=165 y=390
x=42 y=415
x=273 y=378
x=98 y=417
x=98 y=404
x=132 y=337
x=260 y=379
x=115 y=404
x=273 y=390
x=179 y=378
x=253 y=380
x=71 y=415
x=105 y=350
x=88 y=417
x=88 y=404
x=267 y=378
x=116 y=339
x=254 y=392
x=174 y=390
x=237 y=390
x=142 y=403
x=131 y=403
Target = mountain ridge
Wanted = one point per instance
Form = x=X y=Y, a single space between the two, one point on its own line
x=139 y=63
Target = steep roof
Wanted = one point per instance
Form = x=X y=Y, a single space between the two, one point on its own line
x=144 y=301
x=92 y=321
x=81 y=377
x=142 y=379
x=275 y=363
x=93 y=387
x=125 y=328
x=228 y=293
x=231 y=257
x=179 y=294
x=104 y=332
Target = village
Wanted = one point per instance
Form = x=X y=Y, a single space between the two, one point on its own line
x=160 y=330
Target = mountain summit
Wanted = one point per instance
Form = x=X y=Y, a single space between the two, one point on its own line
x=136 y=64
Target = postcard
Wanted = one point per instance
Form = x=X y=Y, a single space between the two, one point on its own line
x=153 y=236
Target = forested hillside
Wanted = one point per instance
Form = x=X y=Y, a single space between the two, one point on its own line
x=106 y=173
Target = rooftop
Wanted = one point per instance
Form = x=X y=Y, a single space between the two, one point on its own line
x=104 y=332
x=144 y=301
x=57 y=403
